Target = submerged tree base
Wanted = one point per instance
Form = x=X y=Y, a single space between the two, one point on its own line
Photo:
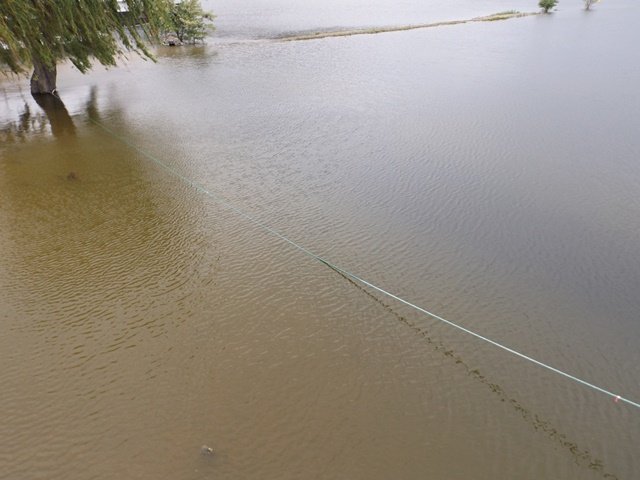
x=43 y=79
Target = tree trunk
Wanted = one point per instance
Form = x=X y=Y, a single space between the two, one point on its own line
x=43 y=79
x=59 y=118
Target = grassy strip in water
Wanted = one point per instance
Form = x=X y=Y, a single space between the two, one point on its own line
x=374 y=30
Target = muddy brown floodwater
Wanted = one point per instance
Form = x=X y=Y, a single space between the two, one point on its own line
x=486 y=171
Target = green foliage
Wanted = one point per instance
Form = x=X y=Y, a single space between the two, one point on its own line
x=547 y=5
x=188 y=21
x=46 y=31
x=501 y=16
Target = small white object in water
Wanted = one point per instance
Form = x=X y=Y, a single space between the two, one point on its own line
x=205 y=450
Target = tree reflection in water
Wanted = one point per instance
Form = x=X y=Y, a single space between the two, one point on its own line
x=59 y=119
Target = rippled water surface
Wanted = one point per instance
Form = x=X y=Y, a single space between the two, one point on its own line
x=487 y=172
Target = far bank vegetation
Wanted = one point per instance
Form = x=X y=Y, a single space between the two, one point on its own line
x=547 y=5
x=187 y=23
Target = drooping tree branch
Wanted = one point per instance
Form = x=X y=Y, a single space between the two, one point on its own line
x=40 y=33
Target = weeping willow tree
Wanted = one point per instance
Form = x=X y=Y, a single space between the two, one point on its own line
x=40 y=33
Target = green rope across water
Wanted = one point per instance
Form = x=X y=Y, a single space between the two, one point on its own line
x=223 y=201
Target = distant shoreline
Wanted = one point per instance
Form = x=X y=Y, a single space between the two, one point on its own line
x=375 y=30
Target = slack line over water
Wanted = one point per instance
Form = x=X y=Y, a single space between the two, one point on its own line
x=358 y=279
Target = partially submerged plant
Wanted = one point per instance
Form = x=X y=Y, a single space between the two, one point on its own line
x=588 y=3
x=547 y=5
x=188 y=22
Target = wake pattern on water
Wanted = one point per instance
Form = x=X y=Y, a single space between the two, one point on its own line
x=580 y=455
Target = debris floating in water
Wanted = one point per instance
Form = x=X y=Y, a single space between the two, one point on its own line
x=205 y=450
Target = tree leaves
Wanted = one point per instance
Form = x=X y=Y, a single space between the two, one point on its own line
x=188 y=21
x=81 y=30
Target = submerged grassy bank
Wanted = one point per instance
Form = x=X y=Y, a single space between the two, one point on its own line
x=398 y=28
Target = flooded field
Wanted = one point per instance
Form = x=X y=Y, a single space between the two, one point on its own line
x=487 y=172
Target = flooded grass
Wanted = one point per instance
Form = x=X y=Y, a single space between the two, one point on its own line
x=376 y=30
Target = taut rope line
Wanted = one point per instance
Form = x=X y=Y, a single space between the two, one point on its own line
x=220 y=199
